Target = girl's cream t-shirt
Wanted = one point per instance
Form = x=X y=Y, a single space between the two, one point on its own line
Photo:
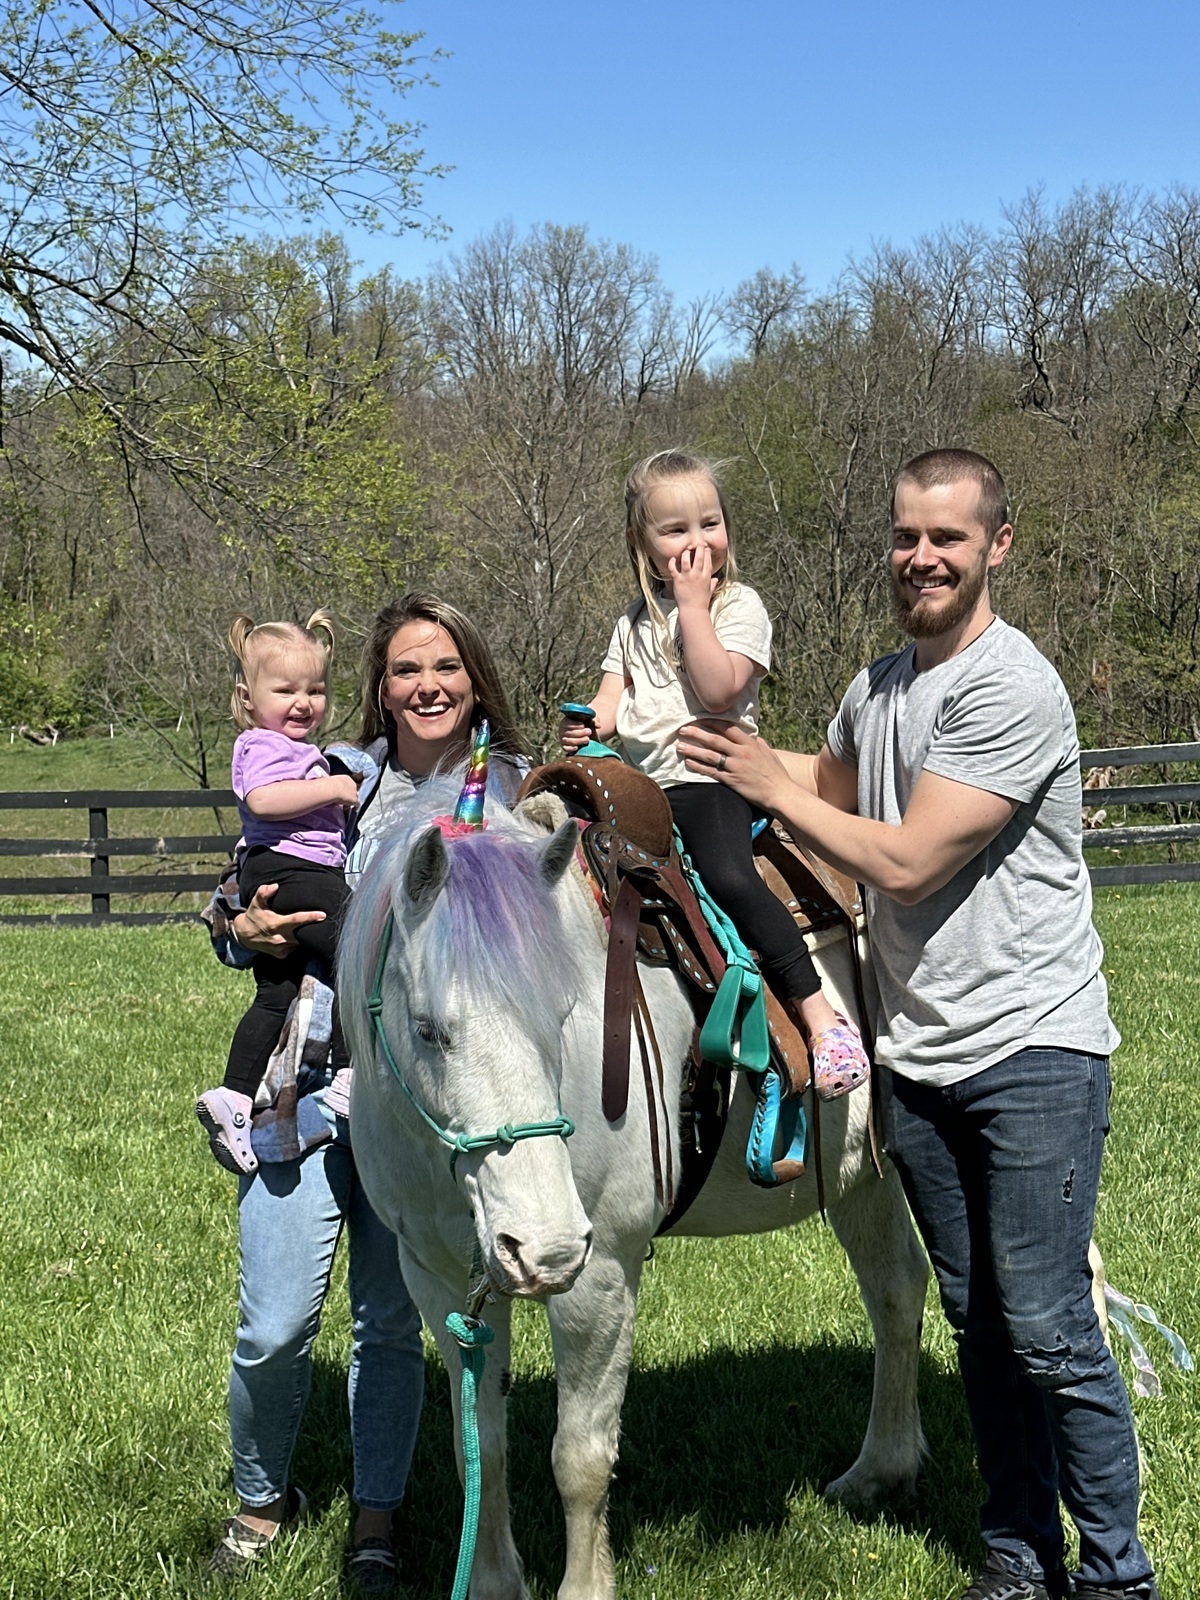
x=658 y=700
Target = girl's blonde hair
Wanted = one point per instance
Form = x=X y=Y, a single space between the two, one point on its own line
x=643 y=479
x=255 y=643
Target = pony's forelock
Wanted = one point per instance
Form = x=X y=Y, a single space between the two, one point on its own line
x=494 y=929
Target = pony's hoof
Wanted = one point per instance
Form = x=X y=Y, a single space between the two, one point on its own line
x=858 y=1490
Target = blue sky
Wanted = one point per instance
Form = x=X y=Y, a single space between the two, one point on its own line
x=721 y=137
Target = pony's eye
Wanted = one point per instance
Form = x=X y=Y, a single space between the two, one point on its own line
x=426 y=1028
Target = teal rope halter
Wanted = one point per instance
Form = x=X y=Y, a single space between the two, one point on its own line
x=459 y=1143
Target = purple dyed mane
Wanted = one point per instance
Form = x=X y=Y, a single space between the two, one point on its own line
x=498 y=904
x=494 y=933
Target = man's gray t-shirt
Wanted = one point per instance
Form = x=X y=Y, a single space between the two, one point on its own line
x=1004 y=956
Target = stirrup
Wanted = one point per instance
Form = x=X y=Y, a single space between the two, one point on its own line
x=735 y=1032
x=776 y=1121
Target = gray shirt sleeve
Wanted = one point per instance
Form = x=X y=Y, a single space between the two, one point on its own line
x=840 y=737
x=1001 y=731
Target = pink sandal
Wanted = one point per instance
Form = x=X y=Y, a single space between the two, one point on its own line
x=839 y=1061
x=225 y=1116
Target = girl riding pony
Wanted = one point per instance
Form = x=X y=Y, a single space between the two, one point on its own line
x=696 y=644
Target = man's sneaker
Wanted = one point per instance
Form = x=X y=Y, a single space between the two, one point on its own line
x=997 y=1583
x=1146 y=1590
x=240 y=1544
x=225 y=1116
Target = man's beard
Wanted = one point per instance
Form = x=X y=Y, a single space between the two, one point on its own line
x=920 y=622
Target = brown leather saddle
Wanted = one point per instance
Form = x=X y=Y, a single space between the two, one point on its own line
x=654 y=917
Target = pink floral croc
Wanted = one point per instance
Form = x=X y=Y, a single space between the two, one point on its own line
x=839 y=1061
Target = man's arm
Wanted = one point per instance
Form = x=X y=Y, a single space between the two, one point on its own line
x=945 y=826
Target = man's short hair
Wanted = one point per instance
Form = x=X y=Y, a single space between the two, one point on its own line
x=933 y=468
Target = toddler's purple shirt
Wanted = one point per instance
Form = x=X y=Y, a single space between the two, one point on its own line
x=261 y=756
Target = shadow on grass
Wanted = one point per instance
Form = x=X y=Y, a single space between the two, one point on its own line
x=724 y=1444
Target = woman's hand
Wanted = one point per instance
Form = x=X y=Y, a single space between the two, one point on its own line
x=728 y=753
x=267 y=932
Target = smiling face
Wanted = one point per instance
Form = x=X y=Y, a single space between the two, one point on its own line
x=427 y=693
x=684 y=513
x=941 y=558
x=286 y=693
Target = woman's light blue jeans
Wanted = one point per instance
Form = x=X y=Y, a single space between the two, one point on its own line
x=1002 y=1170
x=290 y=1217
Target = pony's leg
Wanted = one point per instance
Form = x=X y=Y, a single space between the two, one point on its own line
x=497 y=1572
x=874 y=1228
x=592 y=1330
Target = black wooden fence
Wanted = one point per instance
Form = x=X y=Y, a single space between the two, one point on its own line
x=99 y=848
x=1162 y=836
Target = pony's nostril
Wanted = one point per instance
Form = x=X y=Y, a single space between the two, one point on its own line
x=508 y=1249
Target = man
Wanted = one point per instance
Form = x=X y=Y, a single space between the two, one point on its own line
x=950 y=787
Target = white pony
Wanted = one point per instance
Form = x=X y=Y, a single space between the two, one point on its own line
x=486 y=959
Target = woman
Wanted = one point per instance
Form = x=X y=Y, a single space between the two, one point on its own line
x=428 y=680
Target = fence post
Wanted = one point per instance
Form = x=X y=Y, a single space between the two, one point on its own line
x=98 y=829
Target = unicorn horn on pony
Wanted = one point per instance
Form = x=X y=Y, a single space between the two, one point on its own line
x=468 y=811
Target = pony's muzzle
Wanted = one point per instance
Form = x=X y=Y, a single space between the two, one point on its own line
x=530 y=1268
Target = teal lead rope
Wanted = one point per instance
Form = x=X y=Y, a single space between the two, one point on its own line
x=472 y=1336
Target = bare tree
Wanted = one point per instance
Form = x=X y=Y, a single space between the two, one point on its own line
x=556 y=349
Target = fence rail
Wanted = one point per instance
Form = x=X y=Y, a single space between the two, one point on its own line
x=99 y=848
x=1164 y=836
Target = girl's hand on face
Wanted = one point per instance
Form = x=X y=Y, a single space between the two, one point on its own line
x=692 y=577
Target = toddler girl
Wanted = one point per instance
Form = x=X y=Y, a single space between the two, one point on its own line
x=293 y=816
x=696 y=645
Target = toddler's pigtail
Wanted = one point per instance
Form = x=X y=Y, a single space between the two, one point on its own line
x=323 y=621
x=240 y=630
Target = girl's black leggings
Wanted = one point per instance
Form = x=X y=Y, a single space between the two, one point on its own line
x=303 y=886
x=714 y=824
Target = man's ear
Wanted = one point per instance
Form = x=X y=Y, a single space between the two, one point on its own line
x=1000 y=545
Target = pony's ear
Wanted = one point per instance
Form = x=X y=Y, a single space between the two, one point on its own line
x=557 y=852
x=426 y=869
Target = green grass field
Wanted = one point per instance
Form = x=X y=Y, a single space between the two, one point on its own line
x=752 y=1369
x=753 y=1359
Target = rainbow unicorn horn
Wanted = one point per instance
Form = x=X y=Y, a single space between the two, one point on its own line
x=468 y=813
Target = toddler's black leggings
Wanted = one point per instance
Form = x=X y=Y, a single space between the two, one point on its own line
x=303 y=886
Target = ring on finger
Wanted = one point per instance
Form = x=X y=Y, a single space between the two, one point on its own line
x=722 y=762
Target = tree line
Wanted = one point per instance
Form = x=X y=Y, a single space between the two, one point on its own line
x=280 y=430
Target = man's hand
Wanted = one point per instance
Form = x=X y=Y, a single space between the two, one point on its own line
x=726 y=752
x=267 y=932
